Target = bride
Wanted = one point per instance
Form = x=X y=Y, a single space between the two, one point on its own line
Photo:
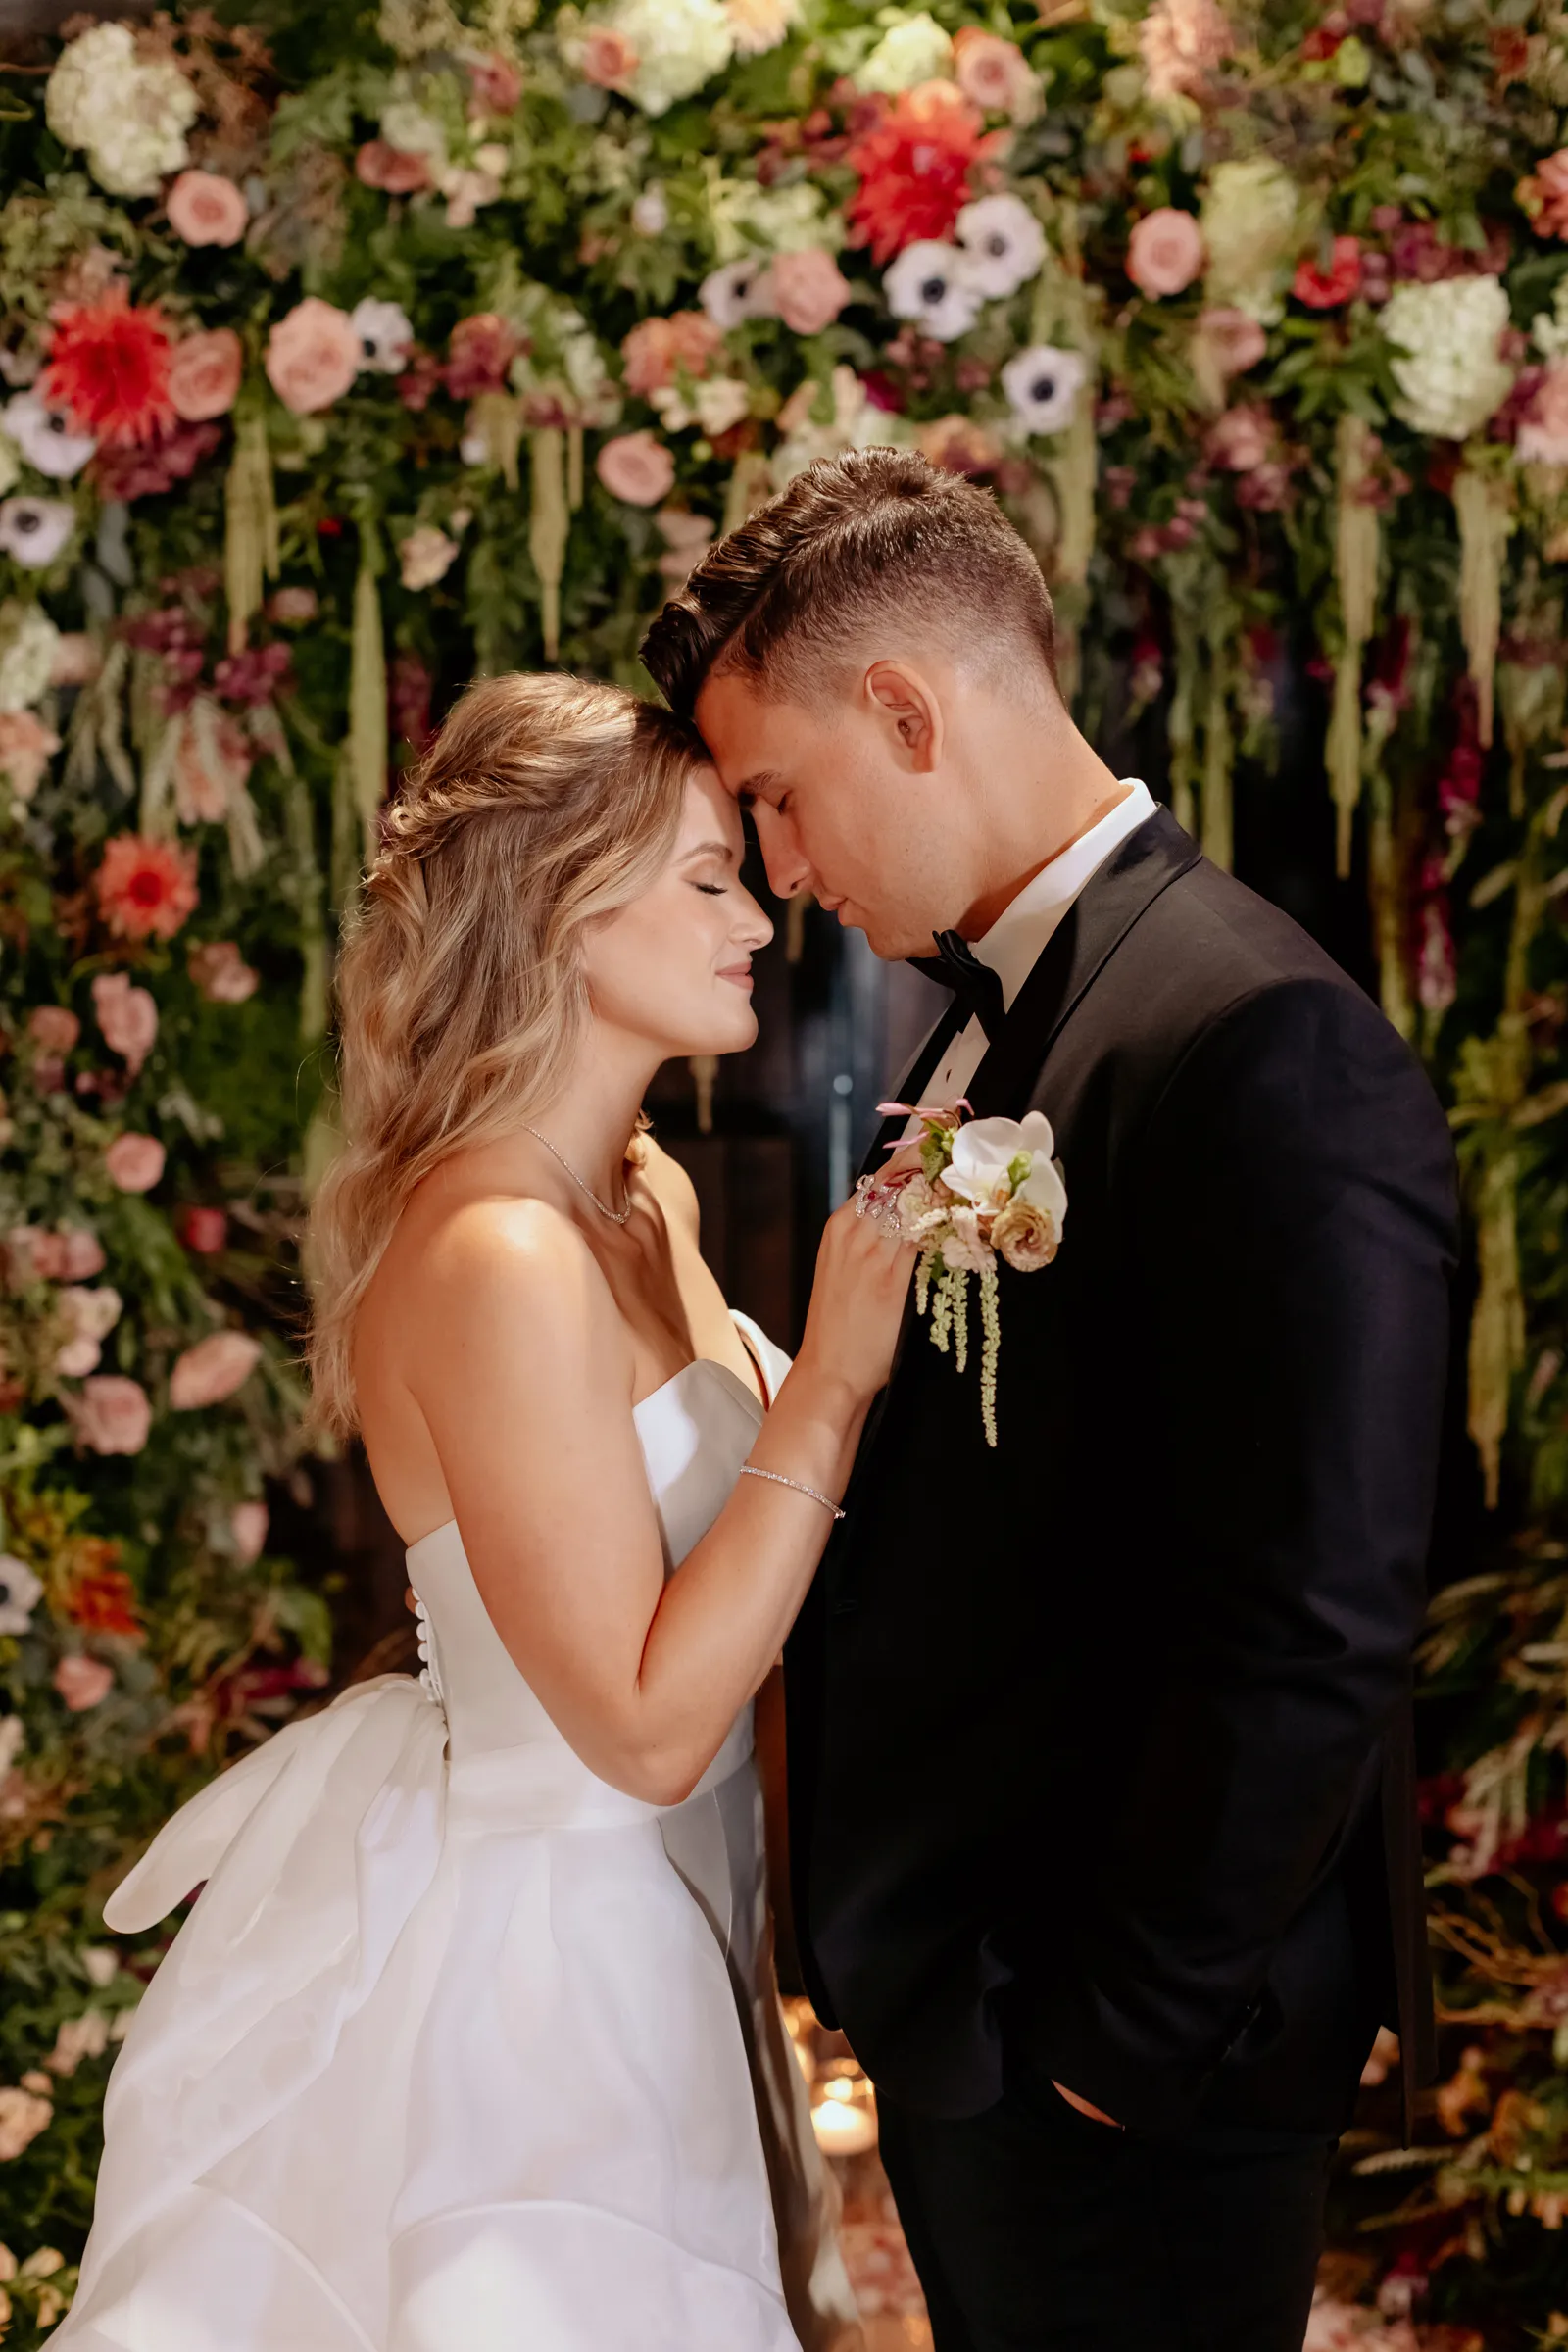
x=471 y=2041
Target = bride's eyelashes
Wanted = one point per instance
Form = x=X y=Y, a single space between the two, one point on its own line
x=709 y=890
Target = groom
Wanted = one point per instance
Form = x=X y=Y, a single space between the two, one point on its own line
x=1105 y=1842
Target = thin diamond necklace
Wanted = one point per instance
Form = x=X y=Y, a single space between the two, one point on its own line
x=617 y=1216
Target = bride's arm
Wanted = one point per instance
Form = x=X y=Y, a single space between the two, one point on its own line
x=523 y=1374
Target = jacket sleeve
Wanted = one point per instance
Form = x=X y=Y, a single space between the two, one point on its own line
x=1290 y=1216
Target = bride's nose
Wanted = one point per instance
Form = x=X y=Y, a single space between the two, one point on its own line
x=756 y=928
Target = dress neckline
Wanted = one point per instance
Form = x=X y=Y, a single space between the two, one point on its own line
x=740 y=1387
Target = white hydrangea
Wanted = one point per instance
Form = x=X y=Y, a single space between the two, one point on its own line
x=413 y=130
x=130 y=114
x=1550 y=328
x=912 y=50
x=680 y=45
x=1252 y=223
x=748 y=217
x=1448 y=366
x=27 y=642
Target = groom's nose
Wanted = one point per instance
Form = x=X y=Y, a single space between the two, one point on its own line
x=789 y=871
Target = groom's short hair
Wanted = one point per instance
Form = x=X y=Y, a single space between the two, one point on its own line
x=854 y=543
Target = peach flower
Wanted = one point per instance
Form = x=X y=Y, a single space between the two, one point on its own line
x=54 y=1028
x=658 y=350
x=290 y=607
x=395 y=171
x=27 y=747
x=204 y=209
x=145 y=888
x=128 y=1017
x=82 y=1682
x=204 y=374
x=1241 y=439
x=1165 y=252
x=995 y=74
x=82 y=1254
x=134 y=1162
x=809 y=290
x=313 y=356
x=247 y=1524
x=494 y=81
x=222 y=973
x=958 y=445
x=1232 y=339
x=112 y=1414
x=212 y=1370
x=607 y=57
x=76 y=659
x=1544 y=427
x=636 y=466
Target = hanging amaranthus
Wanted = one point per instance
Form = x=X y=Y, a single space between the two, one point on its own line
x=574 y=466
x=367 y=746
x=1497 y=1325
x=1219 y=750
x=497 y=421
x=1356 y=547
x=548 y=526
x=1486 y=523
x=1073 y=475
x=750 y=486
x=250 y=536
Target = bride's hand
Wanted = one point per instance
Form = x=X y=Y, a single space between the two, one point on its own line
x=857 y=1302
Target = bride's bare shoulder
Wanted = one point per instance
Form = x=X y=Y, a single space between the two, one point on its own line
x=668 y=1183
x=472 y=1265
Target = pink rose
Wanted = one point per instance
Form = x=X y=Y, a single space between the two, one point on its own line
x=82 y=1254
x=995 y=74
x=1544 y=427
x=658 y=351
x=1165 y=252
x=222 y=973
x=607 y=57
x=1241 y=439
x=204 y=373
x=636 y=466
x=206 y=208
x=247 y=1524
x=1235 y=341
x=290 y=607
x=496 y=83
x=128 y=1017
x=83 y=1683
x=53 y=1028
x=112 y=1414
x=393 y=169
x=211 y=1370
x=32 y=1255
x=134 y=1162
x=313 y=356
x=809 y=290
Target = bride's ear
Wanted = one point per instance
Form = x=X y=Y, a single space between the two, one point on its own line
x=908 y=707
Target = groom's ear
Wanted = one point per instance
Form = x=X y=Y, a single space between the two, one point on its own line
x=903 y=700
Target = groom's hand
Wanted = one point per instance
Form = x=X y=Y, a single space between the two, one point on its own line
x=1083 y=2108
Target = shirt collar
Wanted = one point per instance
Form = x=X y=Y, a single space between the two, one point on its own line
x=1016 y=940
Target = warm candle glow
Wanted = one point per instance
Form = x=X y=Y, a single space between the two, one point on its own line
x=845 y=2120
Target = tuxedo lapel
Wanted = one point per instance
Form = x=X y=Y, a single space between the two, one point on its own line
x=1094 y=927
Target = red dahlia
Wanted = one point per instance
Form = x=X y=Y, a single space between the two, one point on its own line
x=1326 y=289
x=109 y=369
x=145 y=888
x=915 y=166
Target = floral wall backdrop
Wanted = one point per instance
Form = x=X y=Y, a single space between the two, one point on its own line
x=346 y=354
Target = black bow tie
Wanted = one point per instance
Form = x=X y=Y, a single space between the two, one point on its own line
x=976 y=986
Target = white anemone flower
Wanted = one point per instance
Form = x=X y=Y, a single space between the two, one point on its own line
x=737 y=291
x=385 y=335
x=45 y=438
x=35 y=530
x=20 y=1594
x=1043 y=385
x=930 y=283
x=1005 y=242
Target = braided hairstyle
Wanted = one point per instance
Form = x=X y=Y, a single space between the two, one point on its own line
x=544 y=802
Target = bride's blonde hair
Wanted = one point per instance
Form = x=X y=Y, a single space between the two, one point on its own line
x=544 y=802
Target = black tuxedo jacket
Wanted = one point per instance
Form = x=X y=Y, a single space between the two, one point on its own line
x=1100 y=1757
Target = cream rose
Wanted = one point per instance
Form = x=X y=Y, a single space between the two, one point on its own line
x=204 y=373
x=1026 y=1237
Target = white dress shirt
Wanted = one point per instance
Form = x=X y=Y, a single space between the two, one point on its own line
x=1016 y=940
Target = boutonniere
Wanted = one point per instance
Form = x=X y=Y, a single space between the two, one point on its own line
x=966 y=1194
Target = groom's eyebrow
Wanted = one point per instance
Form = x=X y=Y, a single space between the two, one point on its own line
x=756 y=787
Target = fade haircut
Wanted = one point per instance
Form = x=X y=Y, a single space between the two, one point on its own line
x=876 y=537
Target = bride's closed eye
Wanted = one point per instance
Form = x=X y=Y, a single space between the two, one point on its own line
x=709 y=890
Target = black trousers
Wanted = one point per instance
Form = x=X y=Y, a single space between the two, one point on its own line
x=1036 y=2230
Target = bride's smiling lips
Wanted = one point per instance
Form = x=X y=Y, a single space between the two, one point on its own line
x=738 y=974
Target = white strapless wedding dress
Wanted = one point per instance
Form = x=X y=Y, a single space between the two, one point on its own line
x=456 y=2050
